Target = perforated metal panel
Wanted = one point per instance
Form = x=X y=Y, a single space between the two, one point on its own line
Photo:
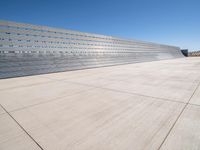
x=29 y=50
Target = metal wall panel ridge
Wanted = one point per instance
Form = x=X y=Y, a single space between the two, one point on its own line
x=30 y=50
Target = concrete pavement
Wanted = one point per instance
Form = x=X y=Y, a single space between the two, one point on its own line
x=152 y=105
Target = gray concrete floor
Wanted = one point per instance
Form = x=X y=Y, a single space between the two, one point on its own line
x=151 y=106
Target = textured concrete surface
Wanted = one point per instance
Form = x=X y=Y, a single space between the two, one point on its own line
x=151 y=106
x=13 y=137
x=1 y=111
x=186 y=133
x=196 y=98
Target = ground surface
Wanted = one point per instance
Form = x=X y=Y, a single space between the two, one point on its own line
x=153 y=105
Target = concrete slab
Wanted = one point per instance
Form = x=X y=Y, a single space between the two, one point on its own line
x=1 y=110
x=196 y=97
x=12 y=137
x=74 y=74
x=171 y=90
x=186 y=133
x=104 y=108
x=21 y=97
x=100 y=119
x=171 y=79
x=7 y=84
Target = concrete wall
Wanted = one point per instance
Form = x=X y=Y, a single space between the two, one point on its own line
x=28 y=50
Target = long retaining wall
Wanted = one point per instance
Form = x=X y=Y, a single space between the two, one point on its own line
x=29 y=50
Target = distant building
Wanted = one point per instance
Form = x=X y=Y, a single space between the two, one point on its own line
x=194 y=53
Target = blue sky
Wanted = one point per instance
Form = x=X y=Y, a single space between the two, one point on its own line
x=174 y=22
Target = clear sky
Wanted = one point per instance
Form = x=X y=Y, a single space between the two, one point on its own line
x=174 y=22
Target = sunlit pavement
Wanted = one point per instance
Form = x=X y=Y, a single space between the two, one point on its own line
x=151 y=106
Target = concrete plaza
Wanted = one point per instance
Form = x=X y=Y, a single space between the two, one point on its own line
x=151 y=106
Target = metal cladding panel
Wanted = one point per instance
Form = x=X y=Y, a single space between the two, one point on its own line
x=30 y=50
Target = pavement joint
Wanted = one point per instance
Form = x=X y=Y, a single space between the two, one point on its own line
x=179 y=116
x=48 y=101
x=22 y=128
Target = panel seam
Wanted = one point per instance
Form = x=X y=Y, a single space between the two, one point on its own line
x=178 y=117
x=22 y=128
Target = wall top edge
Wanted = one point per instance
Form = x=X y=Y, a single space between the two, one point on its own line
x=17 y=24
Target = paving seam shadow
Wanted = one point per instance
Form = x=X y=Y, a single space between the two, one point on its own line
x=132 y=93
x=22 y=128
x=51 y=100
x=179 y=116
x=198 y=105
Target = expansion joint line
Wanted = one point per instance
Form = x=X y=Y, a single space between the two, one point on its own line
x=22 y=128
x=186 y=104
